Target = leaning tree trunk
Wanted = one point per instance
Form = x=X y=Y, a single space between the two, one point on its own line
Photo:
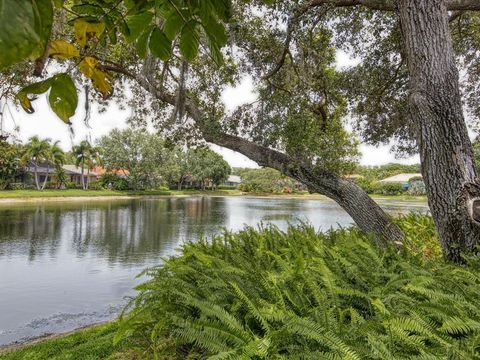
x=366 y=213
x=88 y=179
x=435 y=105
x=83 y=175
x=46 y=178
x=35 y=171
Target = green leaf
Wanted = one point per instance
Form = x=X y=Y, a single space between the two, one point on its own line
x=160 y=45
x=173 y=25
x=215 y=31
x=88 y=9
x=63 y=97
x=111 y=31
x=137 y=24
x=36 y=88
x=142 y=42
x=223 y=9
x=43 y=11
x=189 y=41
x=24 y=29
x=215 y=52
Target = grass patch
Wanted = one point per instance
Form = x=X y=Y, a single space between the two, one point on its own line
x=48 y=193
x=16 y=194
x=89 y=344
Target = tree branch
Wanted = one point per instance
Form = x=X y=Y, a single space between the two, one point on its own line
x=364 y=211
x=387 y=5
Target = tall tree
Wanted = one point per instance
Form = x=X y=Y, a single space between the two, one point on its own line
x=435 y=106
x=36 y=152
x=9 y=162
x=54 y=155
x=143 y=155
x=94 y=159
x=420 y=37
x=195 y=93
x=82 y=153
x=434 y=101
x=209 y=166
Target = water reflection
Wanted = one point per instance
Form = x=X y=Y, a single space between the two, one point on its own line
x=121 y=232
x=64 y=265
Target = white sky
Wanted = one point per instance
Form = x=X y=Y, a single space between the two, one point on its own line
x=45 y=124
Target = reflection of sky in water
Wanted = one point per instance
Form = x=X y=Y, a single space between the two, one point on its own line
x=64 y=265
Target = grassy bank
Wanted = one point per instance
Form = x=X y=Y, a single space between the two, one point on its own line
x=76 y=193
x=265 y=294
x=89 y=344
x=17 y=194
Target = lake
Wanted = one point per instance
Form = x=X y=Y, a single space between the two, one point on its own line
x=64 y=265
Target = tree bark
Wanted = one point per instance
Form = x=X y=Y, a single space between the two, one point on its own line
x=35 y=170
x=88 y=179
x=435 y=105
x=388 y=5
x=46 y=177
x=83 y=177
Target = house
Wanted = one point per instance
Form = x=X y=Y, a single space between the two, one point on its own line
x=43 y=169
x=403 y=179
x=233 y=180
x=100 y=170
x=74 y=174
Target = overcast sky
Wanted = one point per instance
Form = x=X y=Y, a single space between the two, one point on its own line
x=45 y=124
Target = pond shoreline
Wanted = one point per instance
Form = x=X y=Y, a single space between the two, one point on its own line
x=77 y=198
x=21 y=344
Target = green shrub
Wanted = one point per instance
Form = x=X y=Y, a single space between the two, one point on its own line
x=70 y=185
x=227 y=187
x=366 y=185
x=16 y=186
x=95 y=185
x=302 y=295
x=420 y=236
x=51 y=185
x=116 y=182
x=265 y=180
x=417 y=188
x=388 y=188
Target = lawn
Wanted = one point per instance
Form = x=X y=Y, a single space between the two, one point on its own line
x=89 y=344
x=16 y=194
x=31 y=194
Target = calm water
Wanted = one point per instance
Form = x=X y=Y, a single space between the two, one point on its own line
x=66 y=265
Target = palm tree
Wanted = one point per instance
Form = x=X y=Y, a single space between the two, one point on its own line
x=95 y=159
x=56 y=156
x=35 y=152
x=82 y=153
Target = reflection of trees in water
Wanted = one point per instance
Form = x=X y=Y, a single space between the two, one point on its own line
x=29 y=230
x=118 y=231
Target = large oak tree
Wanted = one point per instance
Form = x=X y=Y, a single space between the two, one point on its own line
x=287 y=59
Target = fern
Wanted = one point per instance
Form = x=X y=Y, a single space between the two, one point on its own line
x=268 y=294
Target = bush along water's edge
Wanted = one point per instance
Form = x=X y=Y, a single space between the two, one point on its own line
x=299 y=294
